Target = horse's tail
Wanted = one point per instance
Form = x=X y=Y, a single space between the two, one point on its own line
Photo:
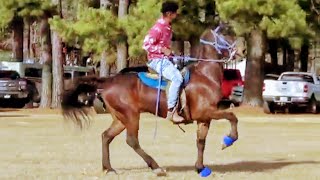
x=77 y=102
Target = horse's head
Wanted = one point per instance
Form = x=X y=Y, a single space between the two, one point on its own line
x=220 y=43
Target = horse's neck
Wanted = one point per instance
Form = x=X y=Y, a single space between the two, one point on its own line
x=211 y=70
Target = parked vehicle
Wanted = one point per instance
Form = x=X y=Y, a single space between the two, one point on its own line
x=13 y=89
x=32 y=74
x=237 y=91
x=231 y=78
x=290 y=90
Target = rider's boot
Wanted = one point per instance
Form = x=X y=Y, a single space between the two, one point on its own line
x=172 y=115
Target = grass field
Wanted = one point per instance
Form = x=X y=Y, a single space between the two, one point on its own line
x=38 y=144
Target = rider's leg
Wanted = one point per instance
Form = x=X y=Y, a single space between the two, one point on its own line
x=170 y=72
x=173 y=74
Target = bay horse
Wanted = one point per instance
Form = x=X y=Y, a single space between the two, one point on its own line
x=126 y=97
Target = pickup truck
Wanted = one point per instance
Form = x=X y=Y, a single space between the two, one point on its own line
x=291 y=90
x=237 y=91
x=13 y=89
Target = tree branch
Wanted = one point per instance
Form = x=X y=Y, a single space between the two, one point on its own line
x=313 y=8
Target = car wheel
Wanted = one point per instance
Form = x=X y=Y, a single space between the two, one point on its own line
x=268 y=107
x=19 y=103
x=313 y=106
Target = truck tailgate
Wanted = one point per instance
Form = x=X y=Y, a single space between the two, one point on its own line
x=285 y=88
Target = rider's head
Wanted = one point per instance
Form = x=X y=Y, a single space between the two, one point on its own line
x=169 y=10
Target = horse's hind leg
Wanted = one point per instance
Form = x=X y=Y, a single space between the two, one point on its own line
x=217 y=115
x=107 y=136
x=202 y=132
x=132 y=141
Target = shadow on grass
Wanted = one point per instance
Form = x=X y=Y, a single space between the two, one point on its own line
x=245 y=166
x=242 y=166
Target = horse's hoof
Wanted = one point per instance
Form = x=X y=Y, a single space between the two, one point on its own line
x=110 y=171
x=205 y=172
x=227 y=142
x=160 y=172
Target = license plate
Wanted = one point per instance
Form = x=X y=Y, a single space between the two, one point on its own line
x=283 y=99
x=7 y=96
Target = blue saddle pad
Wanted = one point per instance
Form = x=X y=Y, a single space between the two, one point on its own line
x=154 y=82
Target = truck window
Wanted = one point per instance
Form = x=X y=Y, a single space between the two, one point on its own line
x=231 y=74
x=79 y=74
x=67 y=75
x=33 y=72
x=297 y=77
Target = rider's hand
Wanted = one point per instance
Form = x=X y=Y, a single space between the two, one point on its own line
x=166 y=51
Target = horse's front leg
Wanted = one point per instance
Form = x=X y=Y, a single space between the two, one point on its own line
x=233 y=135
x=202 y=132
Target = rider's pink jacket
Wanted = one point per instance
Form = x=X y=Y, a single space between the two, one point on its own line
x=159 y=36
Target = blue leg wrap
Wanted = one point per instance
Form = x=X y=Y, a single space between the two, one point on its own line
x=228 y=141
x=205 y=172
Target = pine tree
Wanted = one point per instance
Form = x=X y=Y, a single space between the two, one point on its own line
x=259 y=19
x=122 y=47
x=57 y=62
x=194 y=17
x=12 y=16
x=95 y=30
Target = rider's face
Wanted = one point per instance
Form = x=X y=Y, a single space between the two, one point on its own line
x=171 y=15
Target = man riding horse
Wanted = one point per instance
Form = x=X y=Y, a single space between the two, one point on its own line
x=128 y=95
x=157 y=44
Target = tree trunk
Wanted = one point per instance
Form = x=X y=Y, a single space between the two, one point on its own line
x=304 y=54
x=255 y=68
x=57 y=65
x=32 y=43
x=284 y=55
x=122 y=47
x=291 y=58
x=17 y=37
x=26 y=39
x=273 y=50
x=46 y=89
x=194 y=43
x=104 y=67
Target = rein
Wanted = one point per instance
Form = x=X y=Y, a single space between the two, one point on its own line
x=186 y=59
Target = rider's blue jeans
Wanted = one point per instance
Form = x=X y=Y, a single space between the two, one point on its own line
x=170 y=72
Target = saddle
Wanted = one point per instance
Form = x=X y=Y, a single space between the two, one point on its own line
x=151 y=79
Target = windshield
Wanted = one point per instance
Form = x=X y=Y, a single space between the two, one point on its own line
x=230 y=74
x=33 y=72
x=9 y=74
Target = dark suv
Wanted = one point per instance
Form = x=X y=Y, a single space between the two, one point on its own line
x=13 y=89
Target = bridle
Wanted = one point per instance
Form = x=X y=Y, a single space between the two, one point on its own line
x=220 y=44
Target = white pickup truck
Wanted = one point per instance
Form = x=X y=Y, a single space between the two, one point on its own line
x=291 y=90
